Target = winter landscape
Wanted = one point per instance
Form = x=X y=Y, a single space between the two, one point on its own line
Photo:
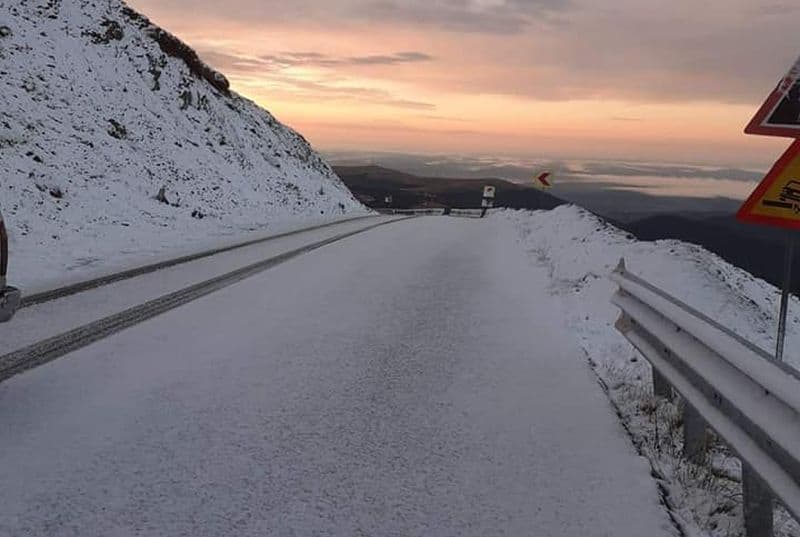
x=226 y=330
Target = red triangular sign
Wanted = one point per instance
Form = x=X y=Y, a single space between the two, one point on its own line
x=780 y=113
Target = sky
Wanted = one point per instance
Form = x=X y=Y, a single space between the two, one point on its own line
x=656 y=80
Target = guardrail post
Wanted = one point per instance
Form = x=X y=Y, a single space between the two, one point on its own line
x=757 y=504
x=661 y=386
x=694 y=435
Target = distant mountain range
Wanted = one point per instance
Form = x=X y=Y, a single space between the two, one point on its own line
x=373 y=184
x=757 y=249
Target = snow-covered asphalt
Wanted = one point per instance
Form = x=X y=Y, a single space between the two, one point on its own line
x=414 y=380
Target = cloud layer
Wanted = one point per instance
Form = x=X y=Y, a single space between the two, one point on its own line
x=625 y=56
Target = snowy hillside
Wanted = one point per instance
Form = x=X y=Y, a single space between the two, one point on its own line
x=100 y=111
x=580 y=250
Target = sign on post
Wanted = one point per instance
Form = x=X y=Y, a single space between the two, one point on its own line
x=489 y=192
x=780 y=113
x=776 y=201
x=543 y=181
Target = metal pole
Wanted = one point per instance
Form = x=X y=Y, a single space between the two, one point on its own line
x=694 y=435
x=757 y=505
x=3 y=253
x=787 y=288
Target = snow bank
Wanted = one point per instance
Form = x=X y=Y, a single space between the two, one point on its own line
x=117 y=141
x=580 y=250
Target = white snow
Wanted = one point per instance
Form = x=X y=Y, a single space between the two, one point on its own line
x=49 y=319
x=414 y=380
x=95 y=118
x=579 y=251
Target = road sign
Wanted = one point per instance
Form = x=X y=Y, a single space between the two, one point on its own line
x=543 y=181
x=487 y=203
x=776 y=201
x=489 y=192
x=780 y=113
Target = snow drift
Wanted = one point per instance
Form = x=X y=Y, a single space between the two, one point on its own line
x=116 y=140
x=579 y=250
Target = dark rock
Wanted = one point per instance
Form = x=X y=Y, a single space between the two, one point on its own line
x=113 y=32
x=172 y=46
x=117 y=130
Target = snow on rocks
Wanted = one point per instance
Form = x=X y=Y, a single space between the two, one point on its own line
x=579 y=251
x=116 y=140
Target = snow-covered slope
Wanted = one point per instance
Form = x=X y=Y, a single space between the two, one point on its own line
x=100 y=110
x=580 y=250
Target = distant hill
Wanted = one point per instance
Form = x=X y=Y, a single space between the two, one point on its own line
x=372 y=184
x=756 y=249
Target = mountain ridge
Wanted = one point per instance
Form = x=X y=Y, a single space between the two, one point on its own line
x=116 y=139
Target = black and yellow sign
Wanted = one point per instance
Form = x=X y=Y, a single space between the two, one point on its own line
x=776 y=201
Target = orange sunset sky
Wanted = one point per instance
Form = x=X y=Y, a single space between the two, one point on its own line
x=631 y=79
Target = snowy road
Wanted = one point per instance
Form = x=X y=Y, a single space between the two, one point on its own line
x=413 y=380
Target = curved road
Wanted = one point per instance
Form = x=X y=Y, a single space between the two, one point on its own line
x=413 y=380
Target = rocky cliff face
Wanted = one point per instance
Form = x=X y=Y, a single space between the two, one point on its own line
x=112 y=129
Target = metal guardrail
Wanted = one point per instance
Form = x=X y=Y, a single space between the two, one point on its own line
x=54 y=347
x=468 y=213
x=418 y=212
x=86 y=285
x=751 y=400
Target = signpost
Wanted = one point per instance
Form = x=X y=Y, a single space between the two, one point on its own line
x=489 y=193
x=10 y=297
x=543 y=181
x=776 y=200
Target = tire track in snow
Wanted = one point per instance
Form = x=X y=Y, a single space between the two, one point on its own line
x=50 y=349
x=80 y=287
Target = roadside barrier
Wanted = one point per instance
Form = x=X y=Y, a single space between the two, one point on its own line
x=750 y=399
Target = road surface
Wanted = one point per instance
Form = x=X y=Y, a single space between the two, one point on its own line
x=413 y=380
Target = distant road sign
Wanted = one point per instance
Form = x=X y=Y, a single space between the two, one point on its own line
x=543 y=181
x=489 y=192
x=776 y=201
x=780 y=113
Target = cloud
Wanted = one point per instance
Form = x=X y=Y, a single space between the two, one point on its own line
x=730 y=51
x=393 y=59
x=228 y=61
x=272 y=72
x=317 y=59
x=297 y=89
x=479 y=16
